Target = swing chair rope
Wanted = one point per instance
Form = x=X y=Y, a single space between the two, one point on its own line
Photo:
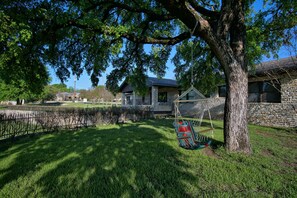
x=192 y=56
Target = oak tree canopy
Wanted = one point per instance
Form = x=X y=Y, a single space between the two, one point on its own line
x=76 y=35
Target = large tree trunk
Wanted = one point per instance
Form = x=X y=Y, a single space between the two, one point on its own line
x=236 y=134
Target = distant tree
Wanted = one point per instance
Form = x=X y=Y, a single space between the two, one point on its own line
x=17 y=93
x=50 y=91
x=85 y=94
x=97 y=94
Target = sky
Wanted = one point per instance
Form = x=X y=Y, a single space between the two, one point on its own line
x=84 y=82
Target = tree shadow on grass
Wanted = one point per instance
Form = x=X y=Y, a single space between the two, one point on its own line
x=131 y=160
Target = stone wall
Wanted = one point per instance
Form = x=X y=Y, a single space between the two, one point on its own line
x=273 y=114
x=265 y=114
x=282 y=114
x=289 y=89
x=215 y=106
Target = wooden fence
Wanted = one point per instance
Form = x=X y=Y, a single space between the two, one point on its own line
x=20 y=124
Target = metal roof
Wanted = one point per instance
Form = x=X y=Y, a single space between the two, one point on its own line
x=283 y=65
x=151 y=81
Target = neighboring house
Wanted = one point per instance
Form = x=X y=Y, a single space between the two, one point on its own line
x=272 y=93
x=160 y=95
x=65 y=96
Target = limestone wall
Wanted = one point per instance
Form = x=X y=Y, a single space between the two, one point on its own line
x=282 y=114
x=289 y=90
x=273 y=114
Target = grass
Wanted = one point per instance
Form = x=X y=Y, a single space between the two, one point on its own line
x=144 y=160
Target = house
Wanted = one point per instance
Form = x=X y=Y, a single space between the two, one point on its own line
x=272 y=93
x=65 y=96
x=160 y=96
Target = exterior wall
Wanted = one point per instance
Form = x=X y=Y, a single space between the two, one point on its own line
x=289 y=90
x=151 y=98
x=273 y=114
x=216 y=108
x=125 y=101
x=140 y=100
x=195 y=108
x=172 y=94
x=282 y=114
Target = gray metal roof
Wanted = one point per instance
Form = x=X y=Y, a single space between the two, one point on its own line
x=283 y=65
x=150 y=81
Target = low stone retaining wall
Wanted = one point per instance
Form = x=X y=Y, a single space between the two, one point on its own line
x=273 y=114
x=265 y=114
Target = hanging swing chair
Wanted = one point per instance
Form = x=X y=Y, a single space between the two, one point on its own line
x=190 y=108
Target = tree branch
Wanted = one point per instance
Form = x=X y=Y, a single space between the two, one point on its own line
x=225 y=20
x=203 y=11
x=158 y=40
x=201 y=23
x=112 y=4
x=132 y=37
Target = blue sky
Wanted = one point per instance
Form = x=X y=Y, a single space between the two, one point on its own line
x=84 y=82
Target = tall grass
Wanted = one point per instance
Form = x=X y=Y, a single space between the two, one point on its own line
x=144 y=160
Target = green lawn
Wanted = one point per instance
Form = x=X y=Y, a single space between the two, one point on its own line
x=144 y=160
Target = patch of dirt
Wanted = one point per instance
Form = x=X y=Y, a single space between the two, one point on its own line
x=267 y=152
x=291 y=165
x=290 y=143
x=264 y=133
x=208 y=151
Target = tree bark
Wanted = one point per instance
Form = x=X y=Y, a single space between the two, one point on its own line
x=236 y=135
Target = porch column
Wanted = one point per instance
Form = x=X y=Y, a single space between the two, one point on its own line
x=134 y=99
x=154 y=96
x=123 y=99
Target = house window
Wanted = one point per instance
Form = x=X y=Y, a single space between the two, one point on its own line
x=222 y=91
x=128 y=100
x=189 y=96
x=266 y=91
x=162 y=97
